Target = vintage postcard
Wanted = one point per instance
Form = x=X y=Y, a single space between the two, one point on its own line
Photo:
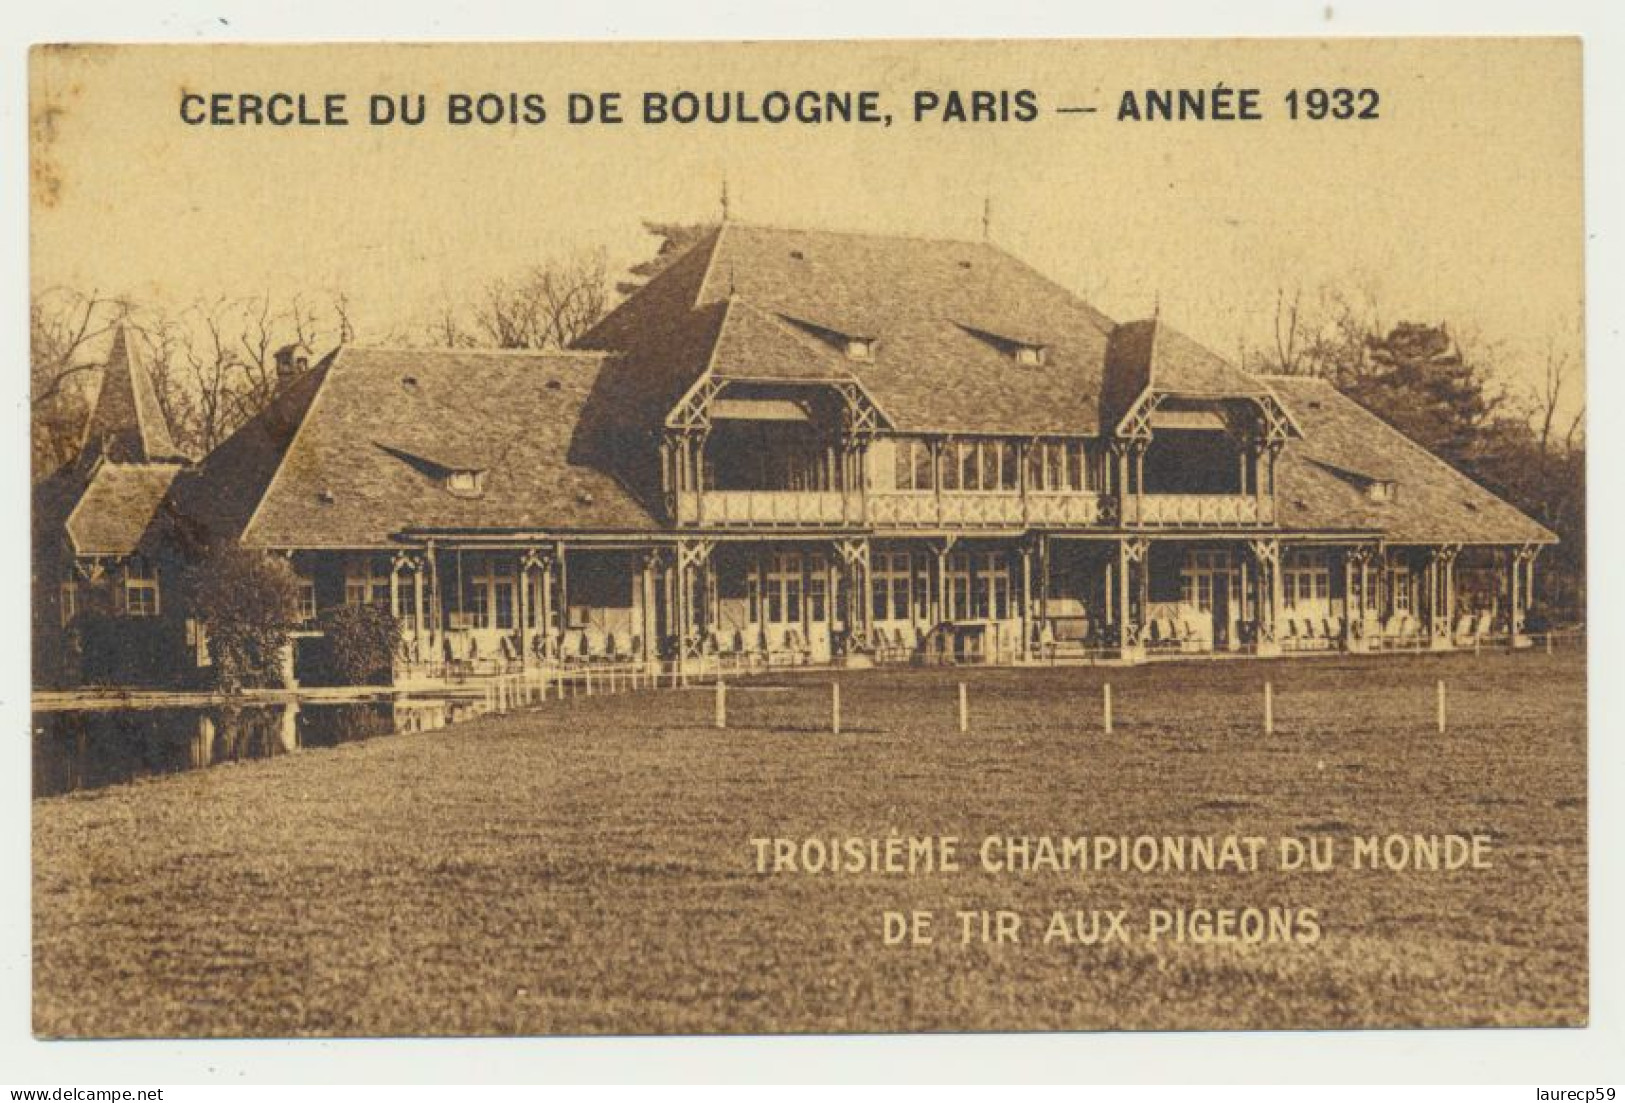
x=808 y=537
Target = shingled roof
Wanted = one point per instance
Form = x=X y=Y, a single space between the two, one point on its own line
x=359 y=449
x=942 y=315
x=117 y=508
x=1322 y=479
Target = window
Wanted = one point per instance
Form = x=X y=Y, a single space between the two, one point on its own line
x=1306 y=580
x=913 y=465
x=1030 y=355
x=307 y=599
x=979 y=585
x=1055 y=466
x=979 y=465
x=893 y=585
x=1382 y=490
x=1205 y=571
x=1009 y=467
x=69 y=601
x=366 y=582
x=1402 y=585
x=948 y=468
x=784 y=588
x=959 y=585
x=860 y=348
x=996 y=577
x=466 y=482
x=140 y=589
x=817 y=589
x=491 y=596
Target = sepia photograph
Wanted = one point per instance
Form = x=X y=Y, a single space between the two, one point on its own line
x=807 y=537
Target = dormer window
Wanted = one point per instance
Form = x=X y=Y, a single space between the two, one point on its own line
x=861 y=349
x=1030 y=356
x=1382 y=490
x=466 y=482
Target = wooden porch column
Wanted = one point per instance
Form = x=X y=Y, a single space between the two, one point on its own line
x=564 y=588
x=523 y=582
x=648 y=589
x=1026 y=601
x=544 y=615
x=1271 y=596
x=417 y=606
x=1043 y=577
x=437 y=613
x=1125 y=624
x=1348 y=599
x=1277 y=595
x=1430 y=604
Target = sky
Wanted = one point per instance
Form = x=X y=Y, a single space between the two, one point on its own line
x=1459 y=203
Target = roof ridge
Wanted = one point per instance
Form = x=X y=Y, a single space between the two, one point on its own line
x=571 y=353
x=938 y=239
x=710 y=262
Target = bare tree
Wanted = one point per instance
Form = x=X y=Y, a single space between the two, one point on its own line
x=542 y=307
x=66 y=345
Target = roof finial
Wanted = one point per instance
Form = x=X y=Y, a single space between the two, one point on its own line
x=987 y=218
x=1156 y=304
x=725 y=197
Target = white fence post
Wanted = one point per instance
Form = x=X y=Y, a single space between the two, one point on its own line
x=964 y=709
x=722 y=704
x=1106 y=706
x=1269 y=709
x=835 y=707
x=1441 y=706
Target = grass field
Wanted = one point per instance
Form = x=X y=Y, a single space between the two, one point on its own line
x=585 y=866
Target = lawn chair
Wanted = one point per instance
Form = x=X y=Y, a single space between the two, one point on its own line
x=796 y=647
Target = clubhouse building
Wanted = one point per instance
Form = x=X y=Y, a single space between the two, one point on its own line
x=800 y=447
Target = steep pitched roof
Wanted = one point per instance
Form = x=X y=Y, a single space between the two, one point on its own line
x=115 y=511
x=1321 y=479
x=213 y=501
x=127 y=425
x=929 y=306
x=363 y=454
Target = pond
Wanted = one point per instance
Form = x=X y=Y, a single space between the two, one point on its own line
x=77 y=749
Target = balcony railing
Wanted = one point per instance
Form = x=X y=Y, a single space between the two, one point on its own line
x=964 y=509
x=981 y=510
x=1196 y=510
x=769 y=507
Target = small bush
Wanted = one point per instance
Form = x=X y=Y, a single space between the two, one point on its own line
x=361 y=643
x=248 y=603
